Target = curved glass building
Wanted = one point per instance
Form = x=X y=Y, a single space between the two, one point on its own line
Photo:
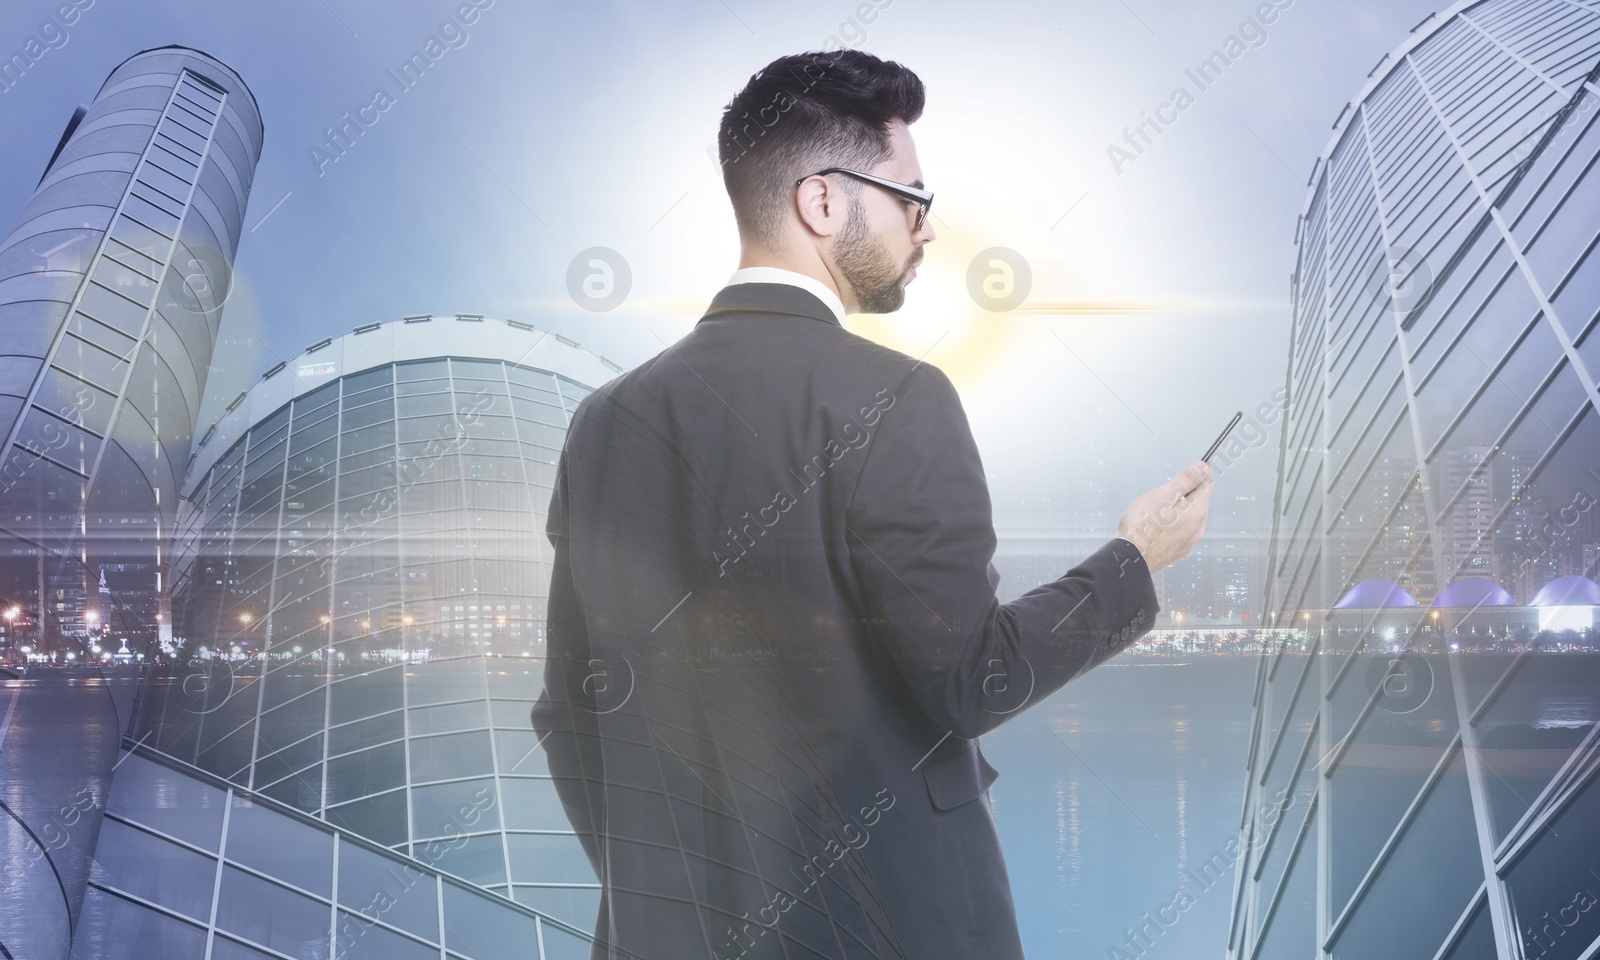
x=111 y=286
x=1422 y=782
x=360 y=575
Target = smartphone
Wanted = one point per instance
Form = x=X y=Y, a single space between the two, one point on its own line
x=1225 y=431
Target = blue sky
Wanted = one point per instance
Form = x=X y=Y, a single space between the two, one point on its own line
x=1159 y=300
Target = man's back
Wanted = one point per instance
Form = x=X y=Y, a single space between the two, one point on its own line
x=774 y=639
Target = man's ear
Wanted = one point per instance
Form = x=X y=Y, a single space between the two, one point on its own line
x=821 y=207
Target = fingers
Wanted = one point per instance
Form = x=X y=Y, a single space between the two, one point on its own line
x=1192 y=478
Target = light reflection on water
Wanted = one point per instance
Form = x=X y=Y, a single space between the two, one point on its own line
x=1137 y=770
x=1159 y=747
x=1565 y=712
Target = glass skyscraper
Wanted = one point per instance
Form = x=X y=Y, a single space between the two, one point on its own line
x=110 y=291
x=1422 y=775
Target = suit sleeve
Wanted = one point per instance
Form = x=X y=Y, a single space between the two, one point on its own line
x=564 y=716
x=921 y=536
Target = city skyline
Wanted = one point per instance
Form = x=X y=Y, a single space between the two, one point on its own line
x=272 y=616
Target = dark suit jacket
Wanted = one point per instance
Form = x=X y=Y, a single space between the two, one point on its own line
x=773 y=640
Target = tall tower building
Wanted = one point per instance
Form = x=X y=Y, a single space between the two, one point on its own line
x=1469 y=540
x=111 y=286
x=1407 y=797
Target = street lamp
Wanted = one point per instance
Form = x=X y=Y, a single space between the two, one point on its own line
x=327 y=621
x=245 y=618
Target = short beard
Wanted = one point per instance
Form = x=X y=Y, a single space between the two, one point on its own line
x=868 y=268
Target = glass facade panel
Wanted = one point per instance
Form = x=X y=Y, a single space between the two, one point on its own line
x=547 y=858
x=380 y=818
x=447 y=680
x=480 y=860
x=154 y=796
x=532 y=804
x=561 y=945
x=226 y=948
x=113 y=928
x=447 y=810
x=357 y=938
x=451 y=756
x=449 y=718
x=1552 y=889
x=366 y=694
x=1477 y=940
x=482 y=931
x=1292 y=929
x=302 y=790
x=1389 y=758
x=273 y=844
x=380 y=888
x=1434 y=863
x=1532 y=728
x=366 y=772
x=577 y=906
x=273 y=916
x=366 y=733
x=133 y=861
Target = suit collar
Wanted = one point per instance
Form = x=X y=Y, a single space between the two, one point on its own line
x=780 y=298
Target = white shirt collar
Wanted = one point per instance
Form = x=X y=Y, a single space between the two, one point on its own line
x=779 y=275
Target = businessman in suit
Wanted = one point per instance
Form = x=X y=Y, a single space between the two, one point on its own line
x=773 y=634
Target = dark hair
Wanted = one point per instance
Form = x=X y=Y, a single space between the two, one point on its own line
x=802 y=113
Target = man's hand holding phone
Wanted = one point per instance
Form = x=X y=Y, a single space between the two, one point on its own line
x=1166 y=522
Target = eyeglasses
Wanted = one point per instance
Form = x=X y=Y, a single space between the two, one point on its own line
x=922 y=198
